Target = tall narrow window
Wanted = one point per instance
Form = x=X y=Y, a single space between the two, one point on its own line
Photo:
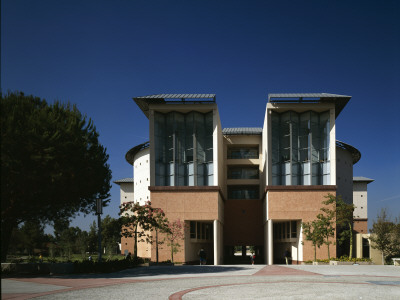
x=300 y=148
x=183 y=149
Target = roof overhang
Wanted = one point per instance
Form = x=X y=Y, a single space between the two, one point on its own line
x=130 y=155
x=340 y=101
x=145 y=101
x=355 y=153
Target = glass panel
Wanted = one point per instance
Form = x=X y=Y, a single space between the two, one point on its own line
x=243 y=172
x=177 y=135
x=287 y=230
x=293 y=227
x=192 y=229
x=300 y=141
x=242 y=153
x=243 y=192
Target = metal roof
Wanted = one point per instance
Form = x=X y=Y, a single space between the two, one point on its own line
x=144 y=101
x=124 y=180
x=178 y=96
x=355 y=153
x=362 y=179
x=130 y=155
x=242 y=131
x=339 y=100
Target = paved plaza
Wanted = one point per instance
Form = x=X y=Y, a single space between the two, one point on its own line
x=215 y=282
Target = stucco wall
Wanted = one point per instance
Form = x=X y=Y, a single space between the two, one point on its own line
x=360 y=200
x=141 y=170
x=126 y=192
x=344 y=174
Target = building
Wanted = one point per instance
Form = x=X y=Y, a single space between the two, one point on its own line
x=241 y=187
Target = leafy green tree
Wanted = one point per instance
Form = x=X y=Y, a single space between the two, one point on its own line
x=28 y=237
x=314 y=233
x=81 y=242
x=344 y=222
x=111 y=234
x=384 y=233
x=93 y=238
x=68 y=241
x=59 y=226
x=396 y=238
x=327 y=220
x=52 y=164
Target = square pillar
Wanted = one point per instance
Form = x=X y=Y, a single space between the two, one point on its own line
x=270 y=243
x=216 y=244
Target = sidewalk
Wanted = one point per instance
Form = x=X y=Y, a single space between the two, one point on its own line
x=214 y=282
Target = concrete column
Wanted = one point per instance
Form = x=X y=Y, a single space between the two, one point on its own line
x=270 y=243
x=216 y=237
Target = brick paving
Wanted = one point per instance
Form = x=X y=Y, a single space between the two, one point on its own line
x=212 y=282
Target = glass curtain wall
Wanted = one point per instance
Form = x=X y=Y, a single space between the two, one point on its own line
x=183 y=149
x=300 y=148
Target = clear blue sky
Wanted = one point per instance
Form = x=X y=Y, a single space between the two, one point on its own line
x=100 y=54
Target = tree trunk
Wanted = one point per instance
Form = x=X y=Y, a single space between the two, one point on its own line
x=6 y=231
x=135 y=245
x=172 y=253
x=327 y=243
x=156 y=245
x=351 y=241
x=383 y=259
x=315 y=252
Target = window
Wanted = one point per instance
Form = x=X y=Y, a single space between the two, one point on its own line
x=300 y=148
x=293 y=227
x=183 y=149
x=243 y=153
x=201 y=231
x=243 y=172
x=285 y=230
x=243 y=192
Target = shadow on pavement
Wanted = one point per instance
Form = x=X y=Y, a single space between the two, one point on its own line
x=159 y=271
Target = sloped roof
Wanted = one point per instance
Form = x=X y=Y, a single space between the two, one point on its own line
x=130 y=155
x=124 y=180
x=355 y=153
x=242 y=131
x=340 y=101
x=362 y=179
x=144 y=101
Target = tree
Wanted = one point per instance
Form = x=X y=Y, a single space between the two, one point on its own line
x=111 y=234
x=313 y=232
x=93 y=238
x=344 y=221
x=68 y=241
x=383 y=235
x=327 y=220
x=159 y=224
x=175 y=233
x=136 y=222
x=52 y=164
x=28 y=237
